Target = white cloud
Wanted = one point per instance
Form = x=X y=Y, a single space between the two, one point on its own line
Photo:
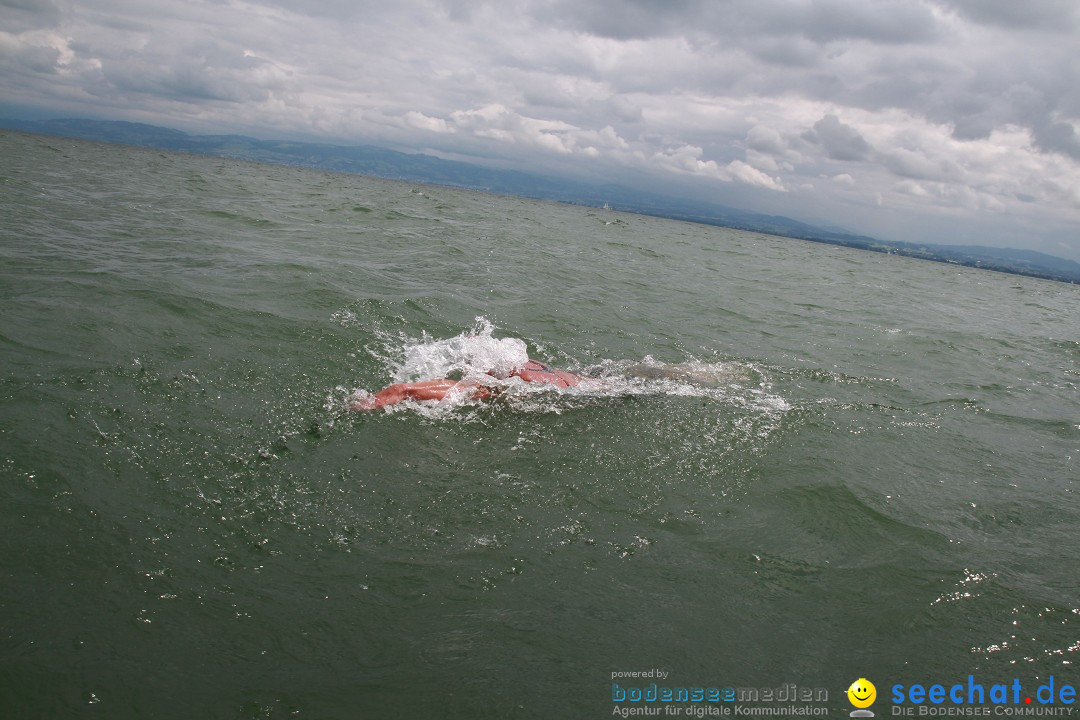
x=687 y=159
x=739 y=171
x=422 y=122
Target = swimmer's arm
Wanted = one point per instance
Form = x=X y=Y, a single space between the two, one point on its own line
x=548 y=376
x=423 y=390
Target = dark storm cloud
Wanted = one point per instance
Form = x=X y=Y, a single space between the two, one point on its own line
x=1058 y=137
x=624 y=19
x=23 y=15
x=204 y=72
x=840 y=141
x=973 y=94
x=1055 y=15
x=887 y=21
x=833 y=20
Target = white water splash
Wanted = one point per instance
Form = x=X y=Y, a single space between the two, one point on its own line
x=472 y=353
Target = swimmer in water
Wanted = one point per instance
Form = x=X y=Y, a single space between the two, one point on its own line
x=532 y=371
x=508 y=358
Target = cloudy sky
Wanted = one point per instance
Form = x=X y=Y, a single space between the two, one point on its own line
x=953 y=121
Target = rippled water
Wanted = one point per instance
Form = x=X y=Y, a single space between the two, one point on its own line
x=876 y=479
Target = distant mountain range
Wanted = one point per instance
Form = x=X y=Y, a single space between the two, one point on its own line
x=380 y=162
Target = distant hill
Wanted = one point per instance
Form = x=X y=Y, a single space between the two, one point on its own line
x=380 y=162
x=358 y=159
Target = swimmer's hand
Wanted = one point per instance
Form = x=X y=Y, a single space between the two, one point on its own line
x=367 y=403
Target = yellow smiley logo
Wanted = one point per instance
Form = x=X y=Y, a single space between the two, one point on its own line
x=862 y=693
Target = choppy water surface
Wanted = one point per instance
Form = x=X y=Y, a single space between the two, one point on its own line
x=869 y=472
